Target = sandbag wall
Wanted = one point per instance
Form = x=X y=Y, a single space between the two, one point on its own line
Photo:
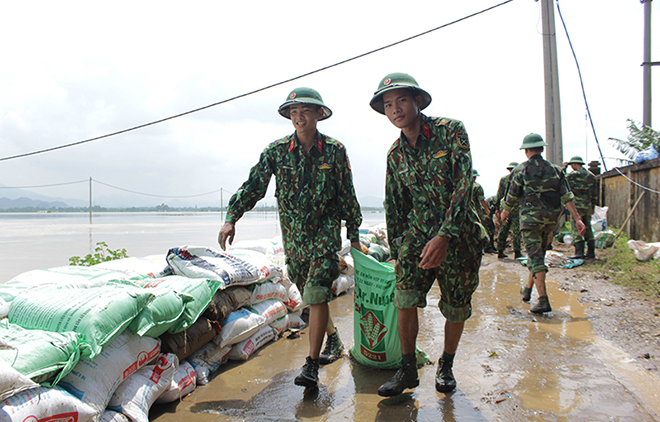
x=107 y=342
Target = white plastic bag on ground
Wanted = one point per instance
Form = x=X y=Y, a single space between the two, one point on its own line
x=643 y=251
x=238 y=326
x=94 y=381
x=245 y=349
x=183 y=383
x=270 y=310
x=46 y=404
x=135 y=396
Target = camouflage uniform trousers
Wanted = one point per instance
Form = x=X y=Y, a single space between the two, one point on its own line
x=536 y=244
x=314 y=277
x=589 y=234
x=512 y=223
x=458 y=277
x=490 y=227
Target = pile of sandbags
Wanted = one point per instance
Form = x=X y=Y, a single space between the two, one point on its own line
x=106 y=342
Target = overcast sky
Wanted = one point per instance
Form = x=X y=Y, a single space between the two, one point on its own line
x=77 y=70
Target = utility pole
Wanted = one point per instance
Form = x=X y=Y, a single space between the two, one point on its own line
x=551 y=77
x=646 y=121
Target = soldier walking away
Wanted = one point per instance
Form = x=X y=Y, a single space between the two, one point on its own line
x=512 y=224
x=540 y=188
x=583 y=186
x=314 y=193
x=433 y=229
x=483 y=210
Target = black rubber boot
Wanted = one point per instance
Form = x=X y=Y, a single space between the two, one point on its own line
x=309 y=377
x=405 y=377
x=501 y=254
x=526 y=293
x=542 y=306
x=444 y=377
x=591 y=249
x=490 y=249
x=333 y=349
x=518 y=254
x=579 y=251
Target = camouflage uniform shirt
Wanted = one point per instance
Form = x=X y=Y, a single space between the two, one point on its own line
x=583 y=186
x=428 y=189
x=314 y=193
x=540 y=188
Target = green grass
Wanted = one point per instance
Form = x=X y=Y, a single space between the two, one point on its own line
x=620 y=265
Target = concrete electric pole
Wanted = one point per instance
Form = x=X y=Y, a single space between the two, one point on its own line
x=646 y=121
x=551 y=77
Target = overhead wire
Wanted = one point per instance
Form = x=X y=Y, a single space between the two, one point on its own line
x=43 y=186
x=586 y=104
x=257 y=90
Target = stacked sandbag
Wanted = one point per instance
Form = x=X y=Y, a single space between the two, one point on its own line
x=108 y=341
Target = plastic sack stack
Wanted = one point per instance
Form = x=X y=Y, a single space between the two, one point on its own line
x=106 y=342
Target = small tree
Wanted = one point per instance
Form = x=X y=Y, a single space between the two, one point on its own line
x=639 y=139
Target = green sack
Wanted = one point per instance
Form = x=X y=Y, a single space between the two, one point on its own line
x=377 y=342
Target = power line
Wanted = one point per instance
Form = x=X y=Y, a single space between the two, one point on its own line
x=260 y=89
x=43 y=186
x=158 y=196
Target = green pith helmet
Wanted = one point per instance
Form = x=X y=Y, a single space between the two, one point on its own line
x=304 y=95
x=396 y=81
x=533 y=140
x=475 y=173
x=576 y=160
x=512 y=165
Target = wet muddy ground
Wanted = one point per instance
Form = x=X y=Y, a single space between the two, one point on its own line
x=574 y=364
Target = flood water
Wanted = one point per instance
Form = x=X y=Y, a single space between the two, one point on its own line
x=510 y=366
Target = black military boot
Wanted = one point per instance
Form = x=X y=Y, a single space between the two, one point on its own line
x=579 y=251
x=405 y=377
x=541 y=307
x=444 y=377
x=309 y=377
x=526 y=293
x=333 y=349
x=501 y=254
x=517 y=254
x=490 y=248
x=591 y=249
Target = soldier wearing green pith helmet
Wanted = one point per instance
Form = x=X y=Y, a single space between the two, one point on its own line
x=539 y=188
x=583 y=186
x=314 y=194
x=433 y=228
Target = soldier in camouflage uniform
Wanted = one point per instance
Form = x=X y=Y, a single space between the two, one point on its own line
x=583 y=186
x=489 y=224
x=433 y=229
x=540 y=189
x=483 y=210
x=512 y=223
x=314 y=194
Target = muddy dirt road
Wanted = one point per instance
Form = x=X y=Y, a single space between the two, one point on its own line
x=574 y=364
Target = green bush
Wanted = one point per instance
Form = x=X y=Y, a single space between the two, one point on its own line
x=103 y=254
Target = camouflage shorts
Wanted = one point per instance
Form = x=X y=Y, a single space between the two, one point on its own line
x=314 y=277
x=536 y=244
x=458 y=278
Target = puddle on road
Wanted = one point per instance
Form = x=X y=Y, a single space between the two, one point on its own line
x=511 y=365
